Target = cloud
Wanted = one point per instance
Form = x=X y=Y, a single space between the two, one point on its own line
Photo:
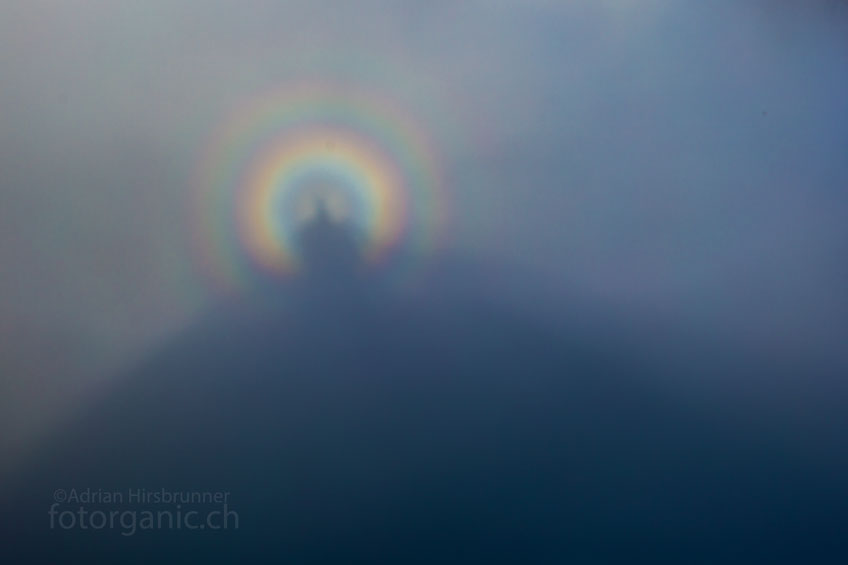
x=666 y=158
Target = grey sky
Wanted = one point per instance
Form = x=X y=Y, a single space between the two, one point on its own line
x=678 y=159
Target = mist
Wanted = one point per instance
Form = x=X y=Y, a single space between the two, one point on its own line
x=677 y=167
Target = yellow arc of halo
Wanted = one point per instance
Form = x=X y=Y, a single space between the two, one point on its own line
x=379 y=185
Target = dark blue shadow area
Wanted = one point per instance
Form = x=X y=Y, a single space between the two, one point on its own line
x=353 y=424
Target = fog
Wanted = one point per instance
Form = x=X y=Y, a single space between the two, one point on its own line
x=674 y=164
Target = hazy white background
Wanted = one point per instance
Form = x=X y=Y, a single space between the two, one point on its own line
x=674 y=160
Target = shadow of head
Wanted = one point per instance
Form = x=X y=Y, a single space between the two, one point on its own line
x=329 y=247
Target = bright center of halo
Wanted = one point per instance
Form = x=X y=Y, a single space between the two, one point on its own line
x=326 y=196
